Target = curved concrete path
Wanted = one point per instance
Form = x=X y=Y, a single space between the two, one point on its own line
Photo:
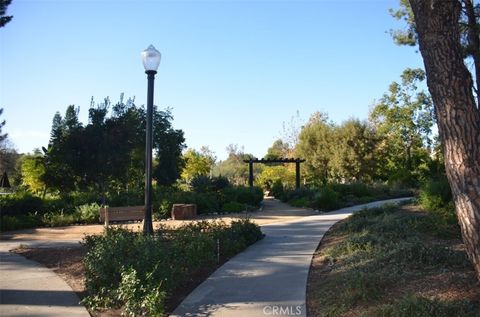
x=270 y=277
x=29 y=289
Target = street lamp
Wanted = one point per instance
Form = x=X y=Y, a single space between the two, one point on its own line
x=151 y=60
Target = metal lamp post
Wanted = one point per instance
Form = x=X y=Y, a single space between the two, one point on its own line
x=151 y=60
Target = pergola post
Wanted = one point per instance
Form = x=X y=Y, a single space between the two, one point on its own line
x=250 y=173
x=297 y=173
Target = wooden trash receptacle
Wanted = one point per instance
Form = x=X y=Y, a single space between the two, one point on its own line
x=184 y=211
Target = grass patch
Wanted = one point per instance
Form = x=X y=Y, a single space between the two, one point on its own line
x=388 y=262
x=412 y=305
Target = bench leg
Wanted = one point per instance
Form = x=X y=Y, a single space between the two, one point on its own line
x=105 y=209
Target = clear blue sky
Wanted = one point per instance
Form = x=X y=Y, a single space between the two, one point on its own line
x=233 y=71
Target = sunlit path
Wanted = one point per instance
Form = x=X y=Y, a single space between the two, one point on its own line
x=270 y=276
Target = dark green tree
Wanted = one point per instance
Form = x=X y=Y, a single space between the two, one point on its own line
x=59 y=174
x=108 y=153
x=3 y=137
x=8 y=155
x=4 y=18
x=169 y=144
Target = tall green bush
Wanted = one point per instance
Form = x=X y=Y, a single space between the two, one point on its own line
x=435 y=194
x=326 y=198
x=277 y=190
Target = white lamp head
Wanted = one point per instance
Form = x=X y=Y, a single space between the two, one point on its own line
x=151 y=59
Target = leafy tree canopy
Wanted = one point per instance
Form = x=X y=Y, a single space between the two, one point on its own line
x=197 y=163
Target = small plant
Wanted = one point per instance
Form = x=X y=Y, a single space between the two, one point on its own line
x=58 y=219
x=88 y=213
x=140 y=298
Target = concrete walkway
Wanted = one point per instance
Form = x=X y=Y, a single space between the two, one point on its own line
x=270 y=277
x=29 y=289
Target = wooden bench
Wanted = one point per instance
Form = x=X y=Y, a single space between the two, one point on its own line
x=184 y=211
x=116 y=214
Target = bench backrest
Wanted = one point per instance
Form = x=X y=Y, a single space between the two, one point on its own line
x=129 y=213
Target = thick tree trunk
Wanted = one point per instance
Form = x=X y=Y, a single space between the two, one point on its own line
x=473 y=42
x=450 y=84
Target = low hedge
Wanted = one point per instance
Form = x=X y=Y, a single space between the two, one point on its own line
x=24 y=210
x=333 y=196
x=138 y=272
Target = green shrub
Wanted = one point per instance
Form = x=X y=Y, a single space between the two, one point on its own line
x=140 y=298
x=88 y=213
x=250 y=195
x=244 y=229
x=220 y=183
x=19 y=222
x=435 y=194
x=355 y=189
x=277 y=189
x=106 y=256
x=233 y=206
x=136 y=271
x=164 y=209
x=403 y=178
x=202 y=184
x=205 y=184
x=21 y=203
x=240 y=235
x=298 y=194
x=50 y=204
x=326 y=199
x=244 y=195
x=301 y=202
x=206 y=202
x=58 y=219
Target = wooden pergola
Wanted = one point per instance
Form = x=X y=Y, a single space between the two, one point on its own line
x=297 y=162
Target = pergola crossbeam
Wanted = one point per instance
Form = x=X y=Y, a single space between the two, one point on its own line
x=297 y=162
